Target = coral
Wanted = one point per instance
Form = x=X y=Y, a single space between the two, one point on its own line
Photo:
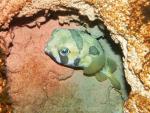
x=139 y=25
x=10 y=8
x=5 y=100
x=137 y=103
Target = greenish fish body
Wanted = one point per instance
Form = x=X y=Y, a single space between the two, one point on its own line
x=75 y=48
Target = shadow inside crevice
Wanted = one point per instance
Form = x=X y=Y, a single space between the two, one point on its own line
x=82 y=20
x=118 y=51
x=146 y=13
x=5 y=99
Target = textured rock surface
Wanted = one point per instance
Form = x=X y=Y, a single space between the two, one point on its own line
x=37 y=84
x=141 y=102
x=32 y=75
x=122 y=18
x=10 y=8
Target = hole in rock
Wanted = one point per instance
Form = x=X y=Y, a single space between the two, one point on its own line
x=146 y=13
x=39 y=84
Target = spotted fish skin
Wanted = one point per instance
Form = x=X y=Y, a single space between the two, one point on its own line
x=76 y=48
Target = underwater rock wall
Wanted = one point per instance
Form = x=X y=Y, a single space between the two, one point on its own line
x=122 y=18
x=32 y=76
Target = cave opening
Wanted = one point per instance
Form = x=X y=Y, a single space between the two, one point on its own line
x=29 y=47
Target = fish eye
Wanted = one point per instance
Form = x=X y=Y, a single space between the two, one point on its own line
x=64 y=51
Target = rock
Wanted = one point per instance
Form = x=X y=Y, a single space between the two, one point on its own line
x=127 y=21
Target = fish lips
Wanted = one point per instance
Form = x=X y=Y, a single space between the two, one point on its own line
x=49 y=54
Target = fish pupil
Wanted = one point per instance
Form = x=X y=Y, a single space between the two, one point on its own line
x=64 y=51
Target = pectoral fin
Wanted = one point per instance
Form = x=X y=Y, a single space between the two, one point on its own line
x=112 y=65
x=95 y=66
x=103 y=76
x=108 y=70
x=100 y=77
x=114 y=82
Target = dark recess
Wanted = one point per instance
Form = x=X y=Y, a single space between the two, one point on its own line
x=83 y=19
x=146 y=13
